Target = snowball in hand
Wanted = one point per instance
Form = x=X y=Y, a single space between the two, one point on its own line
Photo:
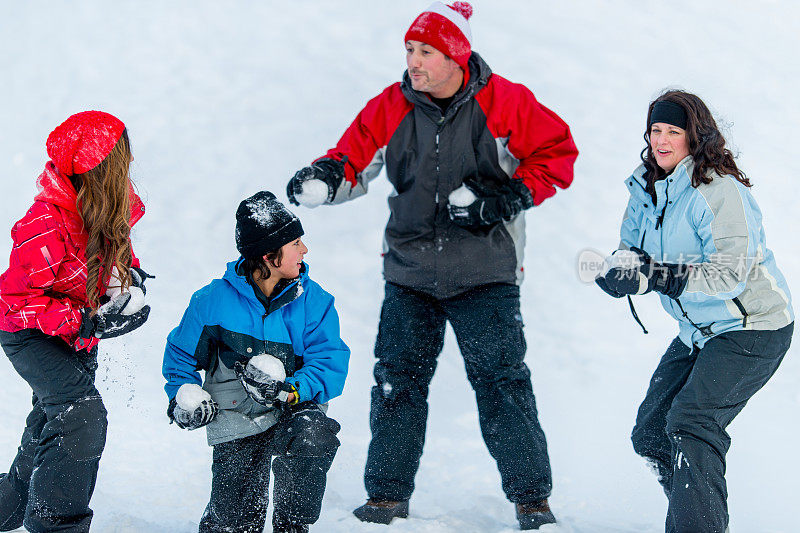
x=462 y=197
x=314 y=193
x=135 y=303
x=622 y=259
x=190 y=396
x=269 y=365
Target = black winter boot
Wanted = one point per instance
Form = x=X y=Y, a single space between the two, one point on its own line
x=12 y=505
x=381 y=511
x=282 y=524
x=534 y=514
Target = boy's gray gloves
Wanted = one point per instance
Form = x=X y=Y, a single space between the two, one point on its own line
x=192 y=407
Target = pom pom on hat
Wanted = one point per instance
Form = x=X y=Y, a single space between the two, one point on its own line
x=464 y=8
x=82 y=141
x=446 y=28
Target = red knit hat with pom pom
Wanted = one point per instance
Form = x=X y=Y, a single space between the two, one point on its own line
x=446 y=28
x=82 y=141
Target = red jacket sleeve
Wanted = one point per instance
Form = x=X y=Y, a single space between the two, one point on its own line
x=536 y=136
x=37 y=252
x=370 y=131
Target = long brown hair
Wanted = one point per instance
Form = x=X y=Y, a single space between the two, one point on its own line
x=104 y=205
x=706 y=143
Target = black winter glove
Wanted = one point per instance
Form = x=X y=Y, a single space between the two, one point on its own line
x=109 y=321
x=138 y=277
x=260 y=386
x=199 y=417
x=648 y=275
x=491 y=205
x=329 y=171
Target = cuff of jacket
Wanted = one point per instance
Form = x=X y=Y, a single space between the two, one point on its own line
x=301 y=392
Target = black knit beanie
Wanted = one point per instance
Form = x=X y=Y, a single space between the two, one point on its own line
x=263 y=225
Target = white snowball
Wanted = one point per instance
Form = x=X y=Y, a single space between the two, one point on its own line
x=114 y=287
x=315 y=193
x=190 y=396
x=461 y=197
x=624 y=259
x=270 y=365
x=135 y=303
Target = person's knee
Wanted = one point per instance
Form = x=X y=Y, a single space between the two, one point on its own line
x=81 y=428
x=313 y=434
x=393 y=386
x=505 y=379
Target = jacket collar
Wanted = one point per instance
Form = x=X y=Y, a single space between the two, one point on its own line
x=479 y=74
x=672 y=185
x=243 y=284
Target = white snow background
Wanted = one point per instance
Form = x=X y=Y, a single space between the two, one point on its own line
x=223 y=99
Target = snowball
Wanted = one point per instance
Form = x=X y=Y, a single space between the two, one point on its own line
x=314 y=193
x=462 y=197
x=624 y=259
x=135 y=303
x=190 y=396
x=270 y=365
x=114 y=284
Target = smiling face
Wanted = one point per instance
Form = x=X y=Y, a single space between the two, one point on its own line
x=669 y=145
x=431 y=71
x=291 y=261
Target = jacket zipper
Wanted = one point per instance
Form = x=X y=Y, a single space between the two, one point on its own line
x=742 y=310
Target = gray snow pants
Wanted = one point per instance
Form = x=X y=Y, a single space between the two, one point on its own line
x=693 y=395
x=53 y=475
x=488 y=327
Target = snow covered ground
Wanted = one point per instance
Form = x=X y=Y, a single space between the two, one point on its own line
x=226 y=98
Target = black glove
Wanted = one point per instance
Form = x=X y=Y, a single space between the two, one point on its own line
x=109 y=321
x=491 y=205
x=329 y=171
x=668 y=279
x=138 y=277
x=260 y=386
x=201 y=416
x=603 y=284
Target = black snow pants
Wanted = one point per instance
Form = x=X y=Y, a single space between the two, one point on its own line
x=693 y=395
x=304 y=441
x=53 y=475
x=488 y=326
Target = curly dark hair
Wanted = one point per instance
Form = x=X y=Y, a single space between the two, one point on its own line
x=251 y=265
x=706 y=143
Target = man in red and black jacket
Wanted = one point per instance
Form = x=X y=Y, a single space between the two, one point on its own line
x=467 y=152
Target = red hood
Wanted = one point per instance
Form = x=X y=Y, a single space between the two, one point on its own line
x=57 y=189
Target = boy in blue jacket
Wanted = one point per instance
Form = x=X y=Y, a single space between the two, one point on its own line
x=267 y=337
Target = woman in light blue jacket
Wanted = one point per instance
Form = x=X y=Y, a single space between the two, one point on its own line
x=692 y=232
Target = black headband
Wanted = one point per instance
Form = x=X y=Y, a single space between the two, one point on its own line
x=668 y=113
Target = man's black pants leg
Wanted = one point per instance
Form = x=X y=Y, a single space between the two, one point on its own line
x=410 y=338
x=488 y=325
x=72 y=438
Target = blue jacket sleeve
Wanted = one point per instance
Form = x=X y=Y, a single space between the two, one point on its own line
x=325 y=355
x=629 y=230
x=180 y=356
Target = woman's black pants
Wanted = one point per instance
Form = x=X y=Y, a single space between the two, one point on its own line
x=52 y=478
x=693 y=395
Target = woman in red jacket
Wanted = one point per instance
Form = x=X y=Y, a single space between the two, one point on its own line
x=72 y=280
